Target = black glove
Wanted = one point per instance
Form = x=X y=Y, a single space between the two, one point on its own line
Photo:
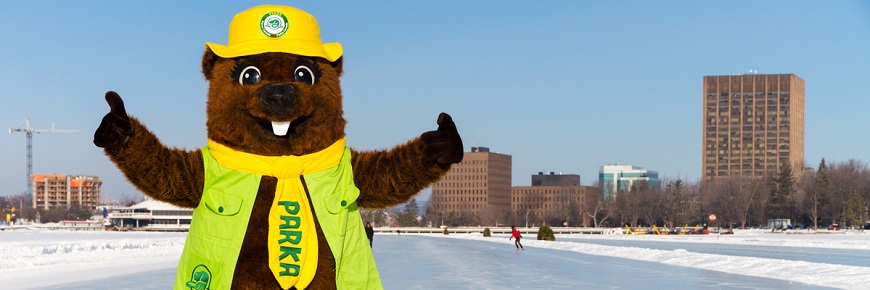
x=444 y=146
x=116 y=127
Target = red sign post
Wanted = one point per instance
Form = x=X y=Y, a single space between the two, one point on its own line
x=712 y=218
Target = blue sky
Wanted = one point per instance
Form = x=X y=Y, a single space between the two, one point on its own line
x=563 y=86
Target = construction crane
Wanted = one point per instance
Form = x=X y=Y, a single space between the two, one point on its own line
x=29 y=132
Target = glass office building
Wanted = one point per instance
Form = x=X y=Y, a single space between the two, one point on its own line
x=614 y=179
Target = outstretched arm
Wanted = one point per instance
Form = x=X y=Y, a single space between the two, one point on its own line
x=166 y=174
x=390 y=177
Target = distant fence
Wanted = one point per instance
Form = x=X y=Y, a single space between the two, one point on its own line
x=98 y=226
x=71 y=225
x=493 y=230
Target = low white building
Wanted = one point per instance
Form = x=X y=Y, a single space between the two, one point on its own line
x=151 y=215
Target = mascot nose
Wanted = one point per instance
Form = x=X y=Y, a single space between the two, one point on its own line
x=278 y=97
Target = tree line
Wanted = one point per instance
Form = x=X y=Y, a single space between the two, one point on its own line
x=836 y=194
x=24 y=212
x=830 y=194
x=23 y=205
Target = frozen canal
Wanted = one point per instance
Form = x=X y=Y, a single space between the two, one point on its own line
x=840 y=256
x=750 y=259
x=435 y=262
x=417 y=262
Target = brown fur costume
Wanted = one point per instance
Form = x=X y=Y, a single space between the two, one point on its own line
x=238 y=117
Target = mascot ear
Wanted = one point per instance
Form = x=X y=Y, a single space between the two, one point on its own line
x=208 y=61
x=337 y=64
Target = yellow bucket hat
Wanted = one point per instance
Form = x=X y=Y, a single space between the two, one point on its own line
x=274 y=28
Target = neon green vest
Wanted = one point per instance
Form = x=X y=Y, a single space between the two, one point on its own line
x=221 y=219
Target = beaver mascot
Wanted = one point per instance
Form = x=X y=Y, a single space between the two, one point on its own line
x=275 y=190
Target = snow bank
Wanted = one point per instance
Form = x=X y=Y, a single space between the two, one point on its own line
x=822 y=274
x=40 y=258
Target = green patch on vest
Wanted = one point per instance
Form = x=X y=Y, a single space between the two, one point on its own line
x=200 y=279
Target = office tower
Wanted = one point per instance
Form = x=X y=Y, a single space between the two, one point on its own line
x=752 y=124
x=477 y=187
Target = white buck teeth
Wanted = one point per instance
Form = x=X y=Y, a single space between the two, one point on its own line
x=280 y=128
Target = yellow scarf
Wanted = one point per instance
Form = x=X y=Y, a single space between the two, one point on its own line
x=292 y=237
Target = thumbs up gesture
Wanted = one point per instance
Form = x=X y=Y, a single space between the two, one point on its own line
x=116 y=128
x=444 y=146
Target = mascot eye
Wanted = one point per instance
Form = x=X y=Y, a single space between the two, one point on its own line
x=250 y=75
x=306 y=75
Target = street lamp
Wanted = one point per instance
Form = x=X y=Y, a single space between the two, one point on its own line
x=527 y=218
x=442 y=218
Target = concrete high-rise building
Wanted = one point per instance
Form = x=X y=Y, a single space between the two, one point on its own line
x=752 y=124
x=614 y=179
x=477 y=187
x=61 y=190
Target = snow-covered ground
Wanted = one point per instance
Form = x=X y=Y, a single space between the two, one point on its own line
x=42 y=259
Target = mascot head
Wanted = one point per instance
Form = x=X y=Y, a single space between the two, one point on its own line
x=274 y=88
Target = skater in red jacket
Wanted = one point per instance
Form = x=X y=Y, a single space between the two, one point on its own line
x=515 y=234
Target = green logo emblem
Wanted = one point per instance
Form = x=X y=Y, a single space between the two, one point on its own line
x=273 y=24
x=200 y=279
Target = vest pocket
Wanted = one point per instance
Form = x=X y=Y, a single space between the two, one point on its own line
x=222 y=204
x=218 y=215
x=340 y=199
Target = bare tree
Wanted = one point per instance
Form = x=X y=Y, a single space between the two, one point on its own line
x=129 y=199
x=734 y=198
x=846 y=178
x=458 y=218
x=596 y=208
x=721 y=197
x=602 y=211
x=487 y=216
x=573 y=211
x=671 y=206
x=622 y=209
x=640 y=198
x=690 y=204
x=651 y=202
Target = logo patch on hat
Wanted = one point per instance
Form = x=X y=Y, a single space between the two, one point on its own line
x=273 y=24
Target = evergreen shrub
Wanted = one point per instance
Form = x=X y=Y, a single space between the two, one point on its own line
x=486 y=233
x=545 y=233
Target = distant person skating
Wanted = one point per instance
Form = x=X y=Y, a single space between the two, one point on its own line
x=370 y=232
x=515 y=234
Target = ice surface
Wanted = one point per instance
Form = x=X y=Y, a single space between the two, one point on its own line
x=43 y=259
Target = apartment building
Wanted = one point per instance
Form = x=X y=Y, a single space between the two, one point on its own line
x=62 y=190
x=752 y=124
